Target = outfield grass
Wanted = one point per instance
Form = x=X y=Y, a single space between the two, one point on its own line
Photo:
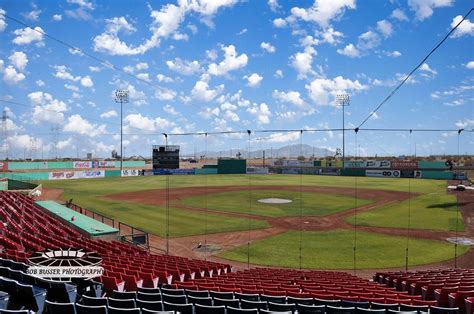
x=334 y=250
x=434 y=211
x=309 y=204
x=88 y=193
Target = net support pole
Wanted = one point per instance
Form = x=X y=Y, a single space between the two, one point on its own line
x=356 y=131
x=407 y=252
x=301 y=205
x=167 y=204
x=205 y=200
x=250 y=201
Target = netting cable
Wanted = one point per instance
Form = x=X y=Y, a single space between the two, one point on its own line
x=355 y=215
x=409 y=212
x=167 y=204
x=301 y=204
x=250 y=202
x=205 y=200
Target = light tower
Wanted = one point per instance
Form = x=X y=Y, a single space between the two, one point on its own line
x=121 y=96
x=343 y=100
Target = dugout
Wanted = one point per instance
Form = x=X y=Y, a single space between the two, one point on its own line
x=231 y=166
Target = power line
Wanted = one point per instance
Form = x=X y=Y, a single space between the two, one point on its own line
x=416 y=68
x=103 y=62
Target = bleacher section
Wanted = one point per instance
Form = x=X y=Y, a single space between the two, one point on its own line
x=136 y=281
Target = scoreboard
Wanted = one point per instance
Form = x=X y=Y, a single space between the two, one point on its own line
x=165 y=157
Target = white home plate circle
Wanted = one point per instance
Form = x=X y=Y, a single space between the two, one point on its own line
x=275 y=200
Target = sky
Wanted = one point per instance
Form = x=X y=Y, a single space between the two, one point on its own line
x=233 y=65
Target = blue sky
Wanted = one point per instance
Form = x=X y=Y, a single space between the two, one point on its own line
x=226 y=65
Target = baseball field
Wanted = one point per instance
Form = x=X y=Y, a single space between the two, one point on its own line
x=325 y=221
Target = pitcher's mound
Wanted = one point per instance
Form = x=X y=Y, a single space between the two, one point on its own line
x=275 y=201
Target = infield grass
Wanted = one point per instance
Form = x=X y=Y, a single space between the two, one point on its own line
x=334 y=250
x=309 y=204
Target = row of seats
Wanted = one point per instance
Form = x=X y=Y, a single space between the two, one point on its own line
x=447 y=287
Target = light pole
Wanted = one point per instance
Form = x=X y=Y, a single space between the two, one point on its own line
x=343 y=100
x=121 y=96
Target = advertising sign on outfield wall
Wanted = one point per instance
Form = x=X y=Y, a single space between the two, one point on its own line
x=82 y=164
x=354 y=164
x=404 y=164
x=377 y=164
x=64 y=175
x=130 y=173
x=383 y=173
x=93 y=174
x=3 y=165
x=257 y=170
x=106 y=164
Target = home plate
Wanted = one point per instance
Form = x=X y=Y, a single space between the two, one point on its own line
x=275 y=201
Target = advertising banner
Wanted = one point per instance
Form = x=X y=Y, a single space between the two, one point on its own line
x=377 y=164
x=65 y=175
x=106 y=164
x=172 y=171
x=93 y=174
x=404 y=164
x=407 y=173
x=383 y=173
x=130 y=173
x=3 y=165
x=354 y=164
x=257 y=170
x=82 y=164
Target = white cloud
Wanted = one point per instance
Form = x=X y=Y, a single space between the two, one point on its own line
x=267 y=47
x=207 y=112
x=46 y=108
x=135 y=68
x=25 y=36
x=57 y=17
x=350 y=51
x=231 y=62
x=163 y=78
x=470 y=65
x=465 y=28
x=24 y=141
x=184 y=67
x=278 y=74
x=279 y=22
x=394 y=54
x=399 y=15
x=143 y=76
x=322 y=90
x=40 y=83
x=165 y=24
x=71 y=87
x=253 y=80
x=144 y=123
x=282 y=137
x=231 y=116
x=330 y=36
x=368 y=40
x=170 y=109
x=261 y=112
x=385 y=27
x=201 y=91
x=302 y=62
x=109 y=114
x=322 y=11
x=428 y=72
x=79 y=125
x=19 y=60
x=273 y=4
x=3 y=24
x=424 y=8
x=292 y=97
x=83 y=10
x=162 y=93
x=32 y=15
x=86 y=81
x=243 y=31
x=63 y=74
x=95 y=69
x=464 y=123
x=68 y=143
x=11 y=76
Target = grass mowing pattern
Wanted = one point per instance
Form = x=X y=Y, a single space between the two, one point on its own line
x=434 y=211
x=334 y=250
x=313 y=204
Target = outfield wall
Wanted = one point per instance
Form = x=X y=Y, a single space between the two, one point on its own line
x=87 y=164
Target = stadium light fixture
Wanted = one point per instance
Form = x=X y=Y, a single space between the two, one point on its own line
x=121 y=96
x=343 y=100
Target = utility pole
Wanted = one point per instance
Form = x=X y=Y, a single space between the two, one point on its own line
x=343 y=100
x=121 y=96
